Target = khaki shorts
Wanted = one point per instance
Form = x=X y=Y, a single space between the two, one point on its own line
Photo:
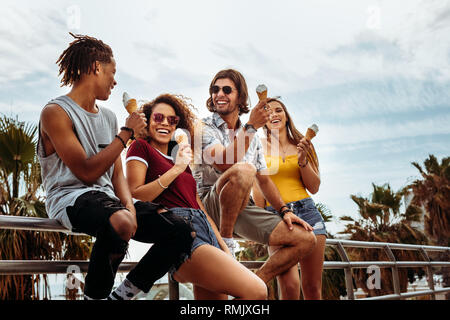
x=253 y=223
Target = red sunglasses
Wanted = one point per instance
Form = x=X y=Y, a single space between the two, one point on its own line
x=172 y=120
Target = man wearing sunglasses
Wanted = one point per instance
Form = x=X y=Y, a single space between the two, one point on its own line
x=232 y=161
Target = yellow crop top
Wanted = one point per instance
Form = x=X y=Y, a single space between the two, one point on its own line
x=287 y=177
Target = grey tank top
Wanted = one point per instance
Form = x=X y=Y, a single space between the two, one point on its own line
x=61 y=185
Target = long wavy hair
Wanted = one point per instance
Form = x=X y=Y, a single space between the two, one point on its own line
x=294 y=136
x=182 y=109
x=241 y=86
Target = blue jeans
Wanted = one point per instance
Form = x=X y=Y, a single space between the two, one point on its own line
x=198 y=221
x=306 y=209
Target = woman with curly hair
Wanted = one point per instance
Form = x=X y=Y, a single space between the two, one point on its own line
x=153 y=175
x=295 y=169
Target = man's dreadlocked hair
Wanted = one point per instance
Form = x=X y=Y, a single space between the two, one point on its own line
x=80 y=56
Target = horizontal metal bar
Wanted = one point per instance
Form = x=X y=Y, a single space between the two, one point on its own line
x=408 y=294
x=20 y=267
x=46 y=224
x=33 y=224
x=382 y=245
x=39 y=266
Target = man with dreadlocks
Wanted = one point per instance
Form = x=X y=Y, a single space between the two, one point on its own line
x=79 y=150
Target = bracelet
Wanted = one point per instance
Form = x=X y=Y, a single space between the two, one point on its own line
x=121 y=140
x=302 y=166
x=129 y=130
x=282 y=213
x=161 y=183
x=285 y=206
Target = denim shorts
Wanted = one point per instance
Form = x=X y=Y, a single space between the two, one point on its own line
x=306 y=209
x=197 y=219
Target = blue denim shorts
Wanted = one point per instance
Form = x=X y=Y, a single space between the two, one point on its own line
x=306 y=209
x=197 y=219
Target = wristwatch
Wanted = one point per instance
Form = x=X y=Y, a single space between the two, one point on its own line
x=249 y=128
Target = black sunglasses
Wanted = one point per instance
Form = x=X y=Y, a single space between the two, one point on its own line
x=225 y=89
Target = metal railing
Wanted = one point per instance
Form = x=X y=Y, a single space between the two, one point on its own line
x=20 y=267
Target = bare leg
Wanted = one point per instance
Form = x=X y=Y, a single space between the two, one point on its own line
x=311 y=269
x=288 y=282
x=233 y=188
x=204 y=294
x=212 y=269
x=294 y=245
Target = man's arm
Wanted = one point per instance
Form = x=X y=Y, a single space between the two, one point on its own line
x=121 y=188
x=272 y=195
x=222 y=157
x=57 y=126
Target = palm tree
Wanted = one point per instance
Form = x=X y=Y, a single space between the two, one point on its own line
x=381 y=221
x=21 y=195
x=432 y=192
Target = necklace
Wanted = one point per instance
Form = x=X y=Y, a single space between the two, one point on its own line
x=284 y=150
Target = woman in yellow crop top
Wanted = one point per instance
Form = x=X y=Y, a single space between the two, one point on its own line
x=294 y=168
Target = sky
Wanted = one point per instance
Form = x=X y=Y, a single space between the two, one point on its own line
x=373 y=75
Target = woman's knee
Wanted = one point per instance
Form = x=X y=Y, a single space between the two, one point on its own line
x=312 y=290
x=310 y=240
x=257 y=290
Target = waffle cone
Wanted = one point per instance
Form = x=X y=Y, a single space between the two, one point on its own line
x=310 y=134
x=131 y=106
x=262 y=95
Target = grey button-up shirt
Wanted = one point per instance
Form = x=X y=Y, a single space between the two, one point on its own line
x=215 y=131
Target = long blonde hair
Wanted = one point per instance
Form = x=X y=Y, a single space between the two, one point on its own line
x=294 y=136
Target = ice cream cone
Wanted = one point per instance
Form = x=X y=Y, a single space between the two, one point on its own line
x=181 y=137
x=261 y=91
x=312 y=132
x=131 y=106
x=129 y=103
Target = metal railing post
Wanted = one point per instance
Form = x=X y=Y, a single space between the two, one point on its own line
x=174 y=289
x=429 y=271
x=394 y=268
x=347 y=272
